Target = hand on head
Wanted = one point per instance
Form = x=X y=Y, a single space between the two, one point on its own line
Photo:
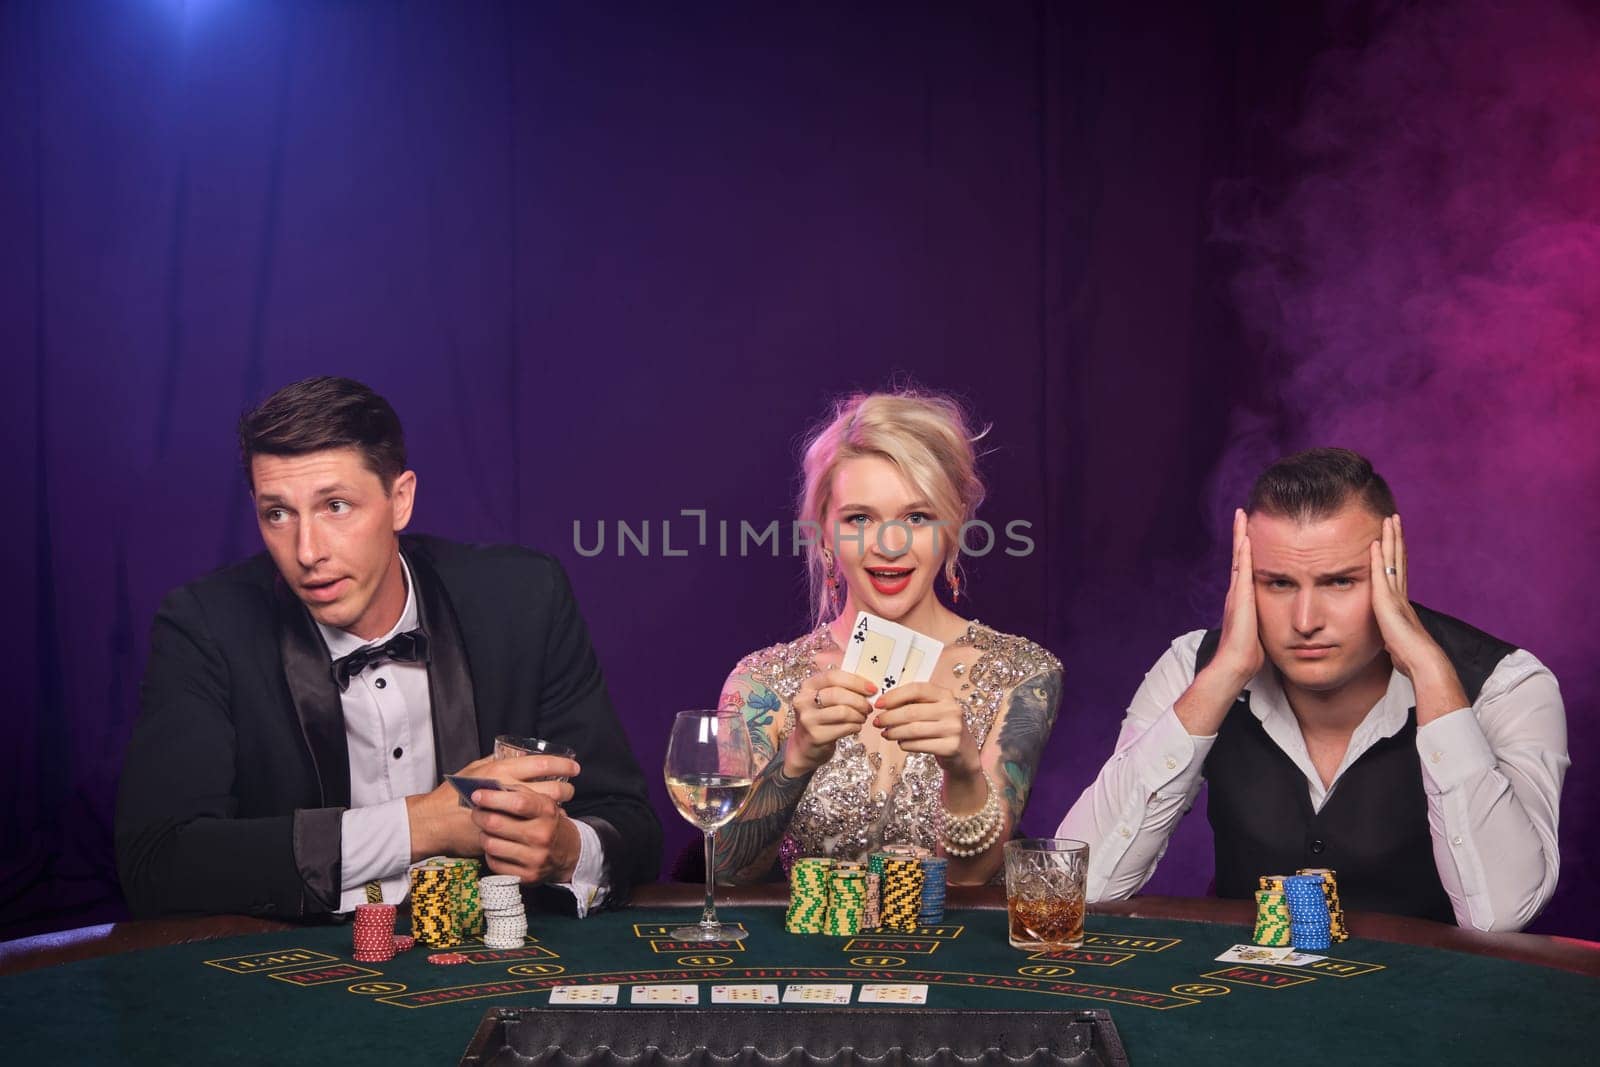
x=1239 y=651
x=1404 y=638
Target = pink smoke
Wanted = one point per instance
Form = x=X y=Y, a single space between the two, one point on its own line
x=1428 y=293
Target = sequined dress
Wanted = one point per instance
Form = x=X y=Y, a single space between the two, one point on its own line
x=841 y=814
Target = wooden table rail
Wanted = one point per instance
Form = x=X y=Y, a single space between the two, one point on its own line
x=88 y=942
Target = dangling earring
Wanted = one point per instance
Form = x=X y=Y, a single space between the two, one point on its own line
x=955 y=584
x=832 y=579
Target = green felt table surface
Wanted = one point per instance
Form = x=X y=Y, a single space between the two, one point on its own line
x=297 y=996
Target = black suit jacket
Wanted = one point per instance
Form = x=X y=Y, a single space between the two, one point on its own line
x=237 y=773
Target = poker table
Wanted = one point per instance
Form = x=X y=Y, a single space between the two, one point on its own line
x=230 y=989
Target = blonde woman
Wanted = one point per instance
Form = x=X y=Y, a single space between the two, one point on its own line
x=946 y=764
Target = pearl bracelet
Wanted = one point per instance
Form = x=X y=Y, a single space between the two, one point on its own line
x=972 y=835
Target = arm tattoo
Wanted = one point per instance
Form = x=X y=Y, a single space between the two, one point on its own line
x=747 y=846
x=759 y=704
x=1030 y=712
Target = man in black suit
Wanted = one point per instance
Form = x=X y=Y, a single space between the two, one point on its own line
x=300 y=708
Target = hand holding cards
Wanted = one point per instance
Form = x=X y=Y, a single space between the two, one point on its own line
x=467 y=784
x=879 y=655
x=915 y=715
x=507 y=747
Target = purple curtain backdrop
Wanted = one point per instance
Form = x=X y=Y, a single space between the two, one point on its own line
x=609 y=262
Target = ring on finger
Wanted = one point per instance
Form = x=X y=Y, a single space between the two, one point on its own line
x=1390 y=570
x=817 y=698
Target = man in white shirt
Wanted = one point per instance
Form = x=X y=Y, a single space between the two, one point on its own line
x=299 y=709
x=1339 y=725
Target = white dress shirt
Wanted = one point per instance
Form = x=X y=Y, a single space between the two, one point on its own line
x=388 y=723
x=1492 y=775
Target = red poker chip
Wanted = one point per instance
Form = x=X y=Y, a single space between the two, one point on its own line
x=372 y=957
x=447 y=958
x=404 y=942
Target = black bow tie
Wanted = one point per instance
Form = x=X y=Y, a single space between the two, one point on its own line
x=409 y=647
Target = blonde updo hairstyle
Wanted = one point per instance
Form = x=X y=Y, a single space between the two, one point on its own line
x=928 y=439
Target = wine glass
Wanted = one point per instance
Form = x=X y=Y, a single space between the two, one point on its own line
x=710 y=768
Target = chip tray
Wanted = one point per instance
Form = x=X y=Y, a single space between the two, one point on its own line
x=777 y=1037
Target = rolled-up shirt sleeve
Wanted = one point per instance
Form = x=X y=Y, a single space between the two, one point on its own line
x=1493 y=775
x=1128 y=814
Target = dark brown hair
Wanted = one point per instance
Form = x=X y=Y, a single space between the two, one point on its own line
x=1316 y=483
x=321 y=413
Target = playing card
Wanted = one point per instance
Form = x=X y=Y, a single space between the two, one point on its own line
x=1254 y=954
x=893 y=994
x=465 y=784
x=666 y=994
x=816 y=993
x=877 y=650
x=922 y=658
x=1299 y=959
x=584 y=994
x=744 y=994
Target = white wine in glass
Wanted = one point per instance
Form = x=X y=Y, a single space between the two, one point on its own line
x=709 y=800
x=710 y=767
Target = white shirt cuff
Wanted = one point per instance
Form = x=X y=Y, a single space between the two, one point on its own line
x=1453 y=751
x=1169 y=758
x=587 y=886
x=374 y=846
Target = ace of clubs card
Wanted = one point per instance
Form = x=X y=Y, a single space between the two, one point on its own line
x=877 y=650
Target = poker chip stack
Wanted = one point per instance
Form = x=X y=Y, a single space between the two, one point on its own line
x=505 y=918
x=1330 y=889
x=808 y=896
x=933 y=880
x=435 y=917
x=373 y=929
x=847 y=900
x=1310 y=927
x=902 y=894
x=875 y=882
x=464 y=895
x=1272 y=919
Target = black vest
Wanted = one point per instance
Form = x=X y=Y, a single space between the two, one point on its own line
x=1373 y=831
